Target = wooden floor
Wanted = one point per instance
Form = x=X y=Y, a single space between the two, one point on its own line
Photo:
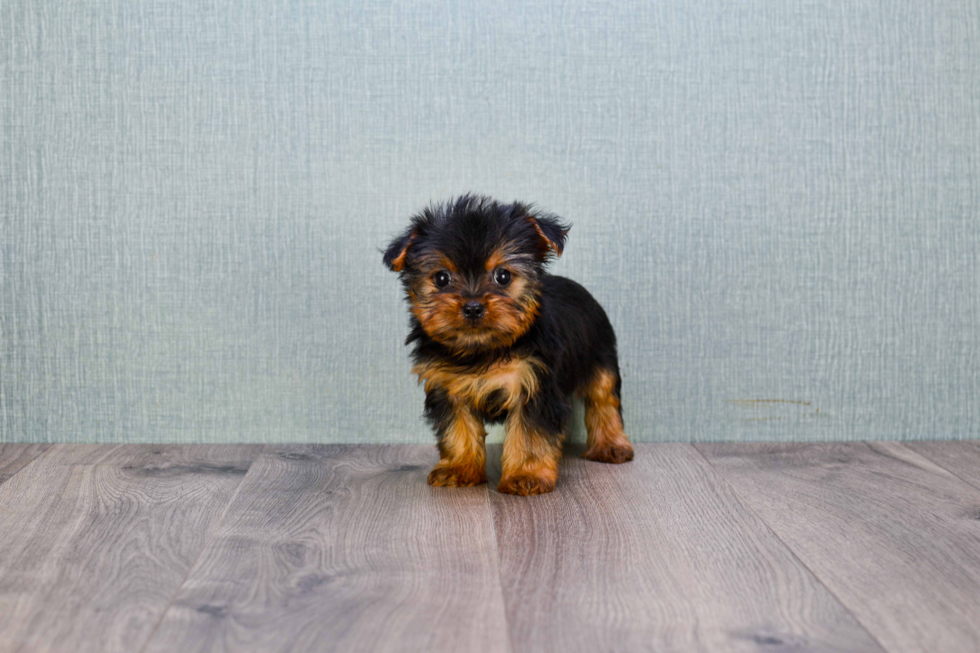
x=721 y=547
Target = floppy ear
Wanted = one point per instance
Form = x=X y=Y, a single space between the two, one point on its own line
x=551 y=234
x=397 y=251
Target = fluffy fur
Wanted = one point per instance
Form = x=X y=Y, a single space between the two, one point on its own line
x=496 y=338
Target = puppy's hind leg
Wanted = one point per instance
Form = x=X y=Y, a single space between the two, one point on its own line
x=607 y=443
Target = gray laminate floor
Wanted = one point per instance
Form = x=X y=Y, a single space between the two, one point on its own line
x=720 y=547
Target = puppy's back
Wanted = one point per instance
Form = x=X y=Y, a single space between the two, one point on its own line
x=580 y=334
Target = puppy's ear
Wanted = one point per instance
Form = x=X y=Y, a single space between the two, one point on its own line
x=398 y=249
x=551 y=234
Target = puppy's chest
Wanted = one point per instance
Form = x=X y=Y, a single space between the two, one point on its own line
x=502 y=385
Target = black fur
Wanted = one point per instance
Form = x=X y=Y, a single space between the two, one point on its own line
x=572 y=335
x=468 y=229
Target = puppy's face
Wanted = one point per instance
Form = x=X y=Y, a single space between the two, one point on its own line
x=470 y=270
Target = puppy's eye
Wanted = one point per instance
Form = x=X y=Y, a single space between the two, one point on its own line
x=442 y=278
x=501 y=276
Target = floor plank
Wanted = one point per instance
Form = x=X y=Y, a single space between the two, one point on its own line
x=15 y=456
x=95 y=540
x=894 y=536
x=656 y=555
x=340 y=548
x=962 y=458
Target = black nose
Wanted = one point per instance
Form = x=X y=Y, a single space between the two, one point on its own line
x=473 y=310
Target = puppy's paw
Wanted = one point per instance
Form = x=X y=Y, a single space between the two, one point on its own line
x=525 y=485
x=456 y=475
x=610 y=452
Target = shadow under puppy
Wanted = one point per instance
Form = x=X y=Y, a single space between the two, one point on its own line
x=497 y=338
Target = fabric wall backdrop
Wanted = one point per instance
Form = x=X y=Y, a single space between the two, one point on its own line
x=778 y=203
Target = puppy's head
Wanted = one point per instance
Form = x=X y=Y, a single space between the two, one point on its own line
x=471 y=270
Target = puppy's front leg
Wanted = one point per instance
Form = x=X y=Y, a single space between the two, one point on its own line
x=462 y=443
x=532 y=451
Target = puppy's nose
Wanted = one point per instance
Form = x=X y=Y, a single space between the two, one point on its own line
x=473 y=310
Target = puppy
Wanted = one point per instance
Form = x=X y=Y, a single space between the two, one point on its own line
x=498 y=339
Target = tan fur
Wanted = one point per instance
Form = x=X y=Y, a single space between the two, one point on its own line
x=497 y=259
x=398 y=263
x=501 y=257
x=530 y=460
x=510 y=321
x=441 y=316
x=462 y=450
x=547 y=242
x=530 y=464
x=606 y=440
x=508 y=314
x=515 y=377
x=445 y=263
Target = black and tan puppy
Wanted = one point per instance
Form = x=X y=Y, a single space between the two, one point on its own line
x=497 y=338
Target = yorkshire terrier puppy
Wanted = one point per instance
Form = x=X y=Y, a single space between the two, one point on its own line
x=498 y=339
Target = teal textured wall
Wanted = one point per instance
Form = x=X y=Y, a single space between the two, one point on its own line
x=777 y=202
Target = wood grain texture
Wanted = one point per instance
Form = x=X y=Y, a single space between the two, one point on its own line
x=656 y=555
x=15 y=456
x=95 y=540
x=893 y=535
x=340 y=548
x=961 y=458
